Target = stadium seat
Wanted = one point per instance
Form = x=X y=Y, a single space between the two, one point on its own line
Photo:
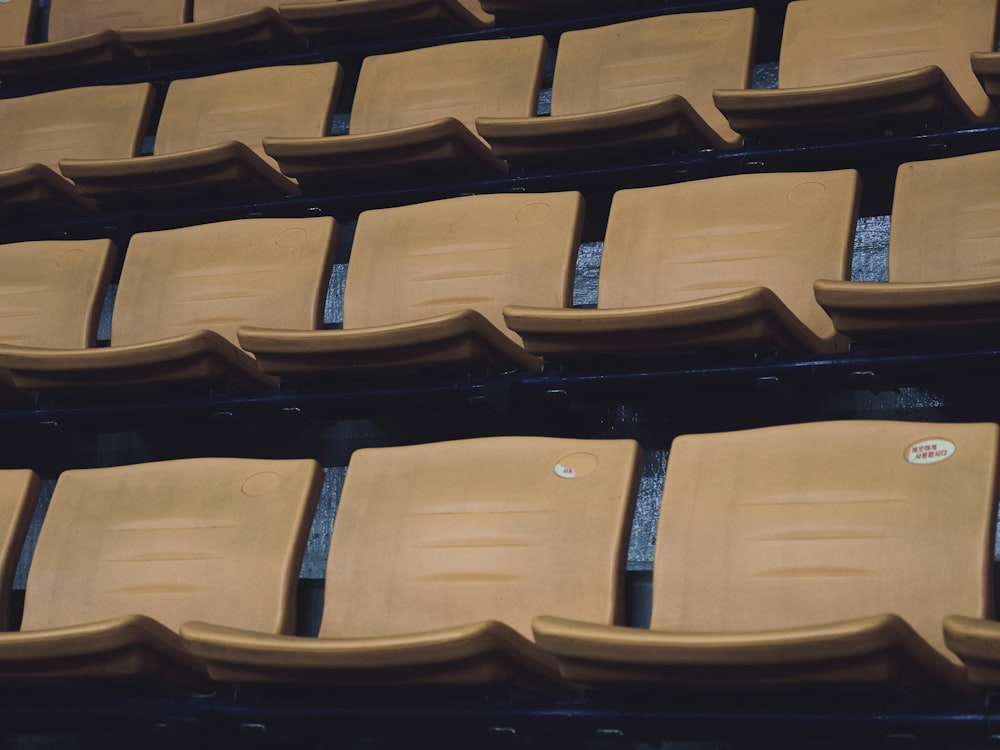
x=17 y=22
x=98 y=122
x=440 y=557
x=325 y=18
x=182 y=295
x=51 y=294
x=219 y=28
x=986 y=66
x=426 y=285
x=640 y=86
x=723 y=263
x=83 y=37
x=804 y=555
x=19 y=490
x=944 y=283
x=127 y=554
x=855 y=64
x=427 y=126
x=208 y=142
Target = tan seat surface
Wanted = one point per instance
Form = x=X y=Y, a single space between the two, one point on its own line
x=17 y=22
x=442 y=554
x=219 y=28
x=83 y=36
x=343 y=17
x=208 y=142
x=96 y=122
x=181 y=297
x=643 y=85
x=807 y=554
x=454 y=264
x=127 y=554
x=428 y=125
x=855 y=63
x=19 y=490
x=943 y=283
x=719 y=263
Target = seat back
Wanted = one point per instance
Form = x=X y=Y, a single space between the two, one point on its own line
x=213 y=539
x=52 y=292
x=945 y=220
x=246 y=105
x=693 y=240
x=72 y=18
x=807 y=524
x=480 y=252
x=466 y=80
x=93 y=122
x=17 y=22
x=207 y=10
x=841 y=41
x=267 y=272
x=687 y=54
x=503 y=528
x=19 y=490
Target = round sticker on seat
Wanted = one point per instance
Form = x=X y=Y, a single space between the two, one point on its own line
x=575 y=465
x=930 y=451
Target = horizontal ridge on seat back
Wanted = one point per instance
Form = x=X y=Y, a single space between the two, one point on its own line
x=127 y=554
x=182 y=295
x=442 y=554
x=808 y=554
x=426 y=285
x=208 y=140
x=725 y=262
x=943 y=280
x=428 y=125
x=853 y=63
x=644 y=84
x=93 y=122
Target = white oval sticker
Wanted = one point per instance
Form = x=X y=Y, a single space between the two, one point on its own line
x=930 y=451
x=566 y=472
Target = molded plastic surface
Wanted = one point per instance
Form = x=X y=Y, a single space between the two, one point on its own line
x=770 y=539
x=441 y=556
x=725 y=262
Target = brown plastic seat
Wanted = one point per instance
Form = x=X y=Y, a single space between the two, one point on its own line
x=943 y=279
x=318 y=18
x=99 y=122
x=182 y=295
x=17 y=22
x=454 y=264
x=861 y=64
x=807 y=554
x=219 y=28
x=636 y=86
x=427 y=126
x=440 y=557
x=986 y=66
x=19 y=490
x=208 y=142
x=83 y=35
x=51 y=294
x=127 y=554
x=723 y=263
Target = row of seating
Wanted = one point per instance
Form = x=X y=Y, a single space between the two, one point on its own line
x=741 y=263
x=86 y=36
x=834 y=552
x=471 y=106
